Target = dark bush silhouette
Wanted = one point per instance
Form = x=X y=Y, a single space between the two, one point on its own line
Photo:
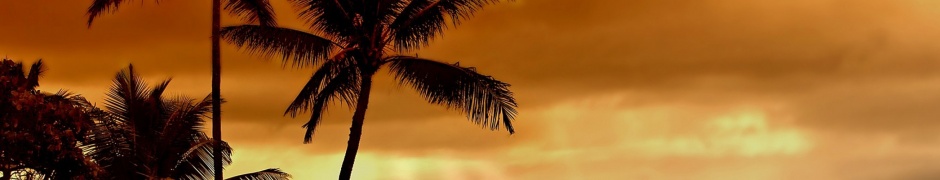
x=140 y=135
x=41 y=134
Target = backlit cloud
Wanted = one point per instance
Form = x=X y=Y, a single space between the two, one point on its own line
x=608 y=89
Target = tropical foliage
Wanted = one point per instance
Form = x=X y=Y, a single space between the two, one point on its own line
x=252 y=11
x=351 y=40
x=41 y=134
x=143 y=134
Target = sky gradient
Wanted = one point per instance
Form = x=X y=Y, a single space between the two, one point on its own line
x=608 y=89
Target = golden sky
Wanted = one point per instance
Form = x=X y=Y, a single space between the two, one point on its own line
x=608 y=89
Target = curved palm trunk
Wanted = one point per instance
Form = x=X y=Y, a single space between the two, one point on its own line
x=216 y=95
x=355 y=132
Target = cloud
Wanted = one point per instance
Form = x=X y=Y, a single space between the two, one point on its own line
x=550 y=51
x=589 y=138
x=370 y=165
x=895 y=106
x=647 y=89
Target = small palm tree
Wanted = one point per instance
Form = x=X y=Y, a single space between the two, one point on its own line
x=259 y=11
x=143 y=135
x=355 y=39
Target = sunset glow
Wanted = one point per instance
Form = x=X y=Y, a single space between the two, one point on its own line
x=607 y=89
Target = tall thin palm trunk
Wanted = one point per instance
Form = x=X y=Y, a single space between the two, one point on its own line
x=216 y=94
x=355 y=131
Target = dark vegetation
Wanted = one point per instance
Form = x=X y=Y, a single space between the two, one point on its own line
x=140 y=133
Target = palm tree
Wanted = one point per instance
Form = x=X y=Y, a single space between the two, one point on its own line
x=144 y=135
x=41 y=134
x=259 y=11
x=355 y=38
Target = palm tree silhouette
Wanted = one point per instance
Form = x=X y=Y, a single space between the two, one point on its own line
x=144 y=135
x=259 y=11
x=357 y=38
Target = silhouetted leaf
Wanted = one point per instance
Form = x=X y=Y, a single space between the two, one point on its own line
x=253 y=11
x=421 y=20
x=485 y=100
x=297 y=47
x=267 y=174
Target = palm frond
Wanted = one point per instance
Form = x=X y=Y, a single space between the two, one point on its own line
x=253 y=11
x=374 y=13
x=60 y=96
x=197 y=161
x=112 y=142
x=321 y=77
x=79 y=101
x=137 y=115
x=193 y=113
x=145 y=135
x=99 y=7
x=183 y=127
x=127 y=93
x=309 y=92
x=422 y=20
x=155 y=103
x=295 y=47
x=156 y=92
x=334 y=79
x=334 y=17
x=388 y=10
x=485 y=100
x=36 y=70
x=185 y=118
x=267 y=174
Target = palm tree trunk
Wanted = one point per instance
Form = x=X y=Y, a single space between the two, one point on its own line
x=355 y=132
x=216 y=94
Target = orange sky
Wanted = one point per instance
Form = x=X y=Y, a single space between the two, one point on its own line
x=608 y=89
